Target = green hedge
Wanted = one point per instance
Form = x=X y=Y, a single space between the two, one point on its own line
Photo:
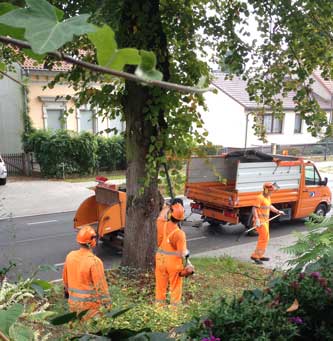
x=73 y=153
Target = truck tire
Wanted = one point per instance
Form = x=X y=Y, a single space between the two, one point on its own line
x=321 y=210
x=3 y=182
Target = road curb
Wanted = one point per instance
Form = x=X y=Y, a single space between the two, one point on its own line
x=36 y=215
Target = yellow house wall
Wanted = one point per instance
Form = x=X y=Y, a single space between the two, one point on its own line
x=36 y=84
x=35 y=91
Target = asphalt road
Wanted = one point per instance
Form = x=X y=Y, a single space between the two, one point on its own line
x=46 y=239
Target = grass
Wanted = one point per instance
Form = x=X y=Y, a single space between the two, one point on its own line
x=214 y=278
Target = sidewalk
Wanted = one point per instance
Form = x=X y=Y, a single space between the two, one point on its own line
x=36 y=197
x=278 y=259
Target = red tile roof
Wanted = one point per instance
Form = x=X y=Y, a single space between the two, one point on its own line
x=30 y=64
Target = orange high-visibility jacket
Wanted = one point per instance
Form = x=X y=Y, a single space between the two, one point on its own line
x=171 y=243
x=262 y=207
x=85 y=281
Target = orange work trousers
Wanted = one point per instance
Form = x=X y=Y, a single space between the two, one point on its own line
x=167 y=273
x=262 y=243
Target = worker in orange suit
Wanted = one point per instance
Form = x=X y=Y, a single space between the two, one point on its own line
x=261 y=211
x=171 y=242
x=84 y=280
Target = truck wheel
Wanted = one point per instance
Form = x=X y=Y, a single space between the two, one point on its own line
x=3 y=181
x=321 y=210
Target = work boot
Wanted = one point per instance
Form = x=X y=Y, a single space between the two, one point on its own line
x=257 y=261
x=264 y=259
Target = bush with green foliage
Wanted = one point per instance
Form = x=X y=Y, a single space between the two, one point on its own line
x=295 y=306
x=64 y=152
x=312 y=246
x=111 y=154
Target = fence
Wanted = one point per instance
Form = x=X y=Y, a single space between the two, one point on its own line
x=18 y=163
x=322 y=149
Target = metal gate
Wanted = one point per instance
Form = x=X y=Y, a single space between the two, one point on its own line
x=18 y=163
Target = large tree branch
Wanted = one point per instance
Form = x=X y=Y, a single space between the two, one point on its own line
x=101 y=69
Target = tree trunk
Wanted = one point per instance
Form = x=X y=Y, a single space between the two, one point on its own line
x=140 y=27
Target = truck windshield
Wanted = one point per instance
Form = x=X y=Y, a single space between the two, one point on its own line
x=311 y=176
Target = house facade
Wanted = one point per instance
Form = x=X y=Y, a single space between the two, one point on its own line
x=230 y=124
x=11 y=110
x=47 y=106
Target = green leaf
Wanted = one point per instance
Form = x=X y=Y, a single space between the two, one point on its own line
x=39 y=290
x=47 y=267
x=149 y=75
x=20 y=332
x=38 y=57
x=148 y=61
x=42 y=316
x=65 y=318
x=2 y=66
x=107 y=53
x=9 y=317
x=122 y=57
x=42 y=29
x=105 y=44
x=202 y=82
x=5 y=30
x=43 y=284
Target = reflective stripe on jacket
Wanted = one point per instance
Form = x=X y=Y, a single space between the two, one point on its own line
x=263 y=208
x=85 y=281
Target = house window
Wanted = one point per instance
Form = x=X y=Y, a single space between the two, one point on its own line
x=87 y=121
x=272 y=124
x=298 y=124
x=55 y=119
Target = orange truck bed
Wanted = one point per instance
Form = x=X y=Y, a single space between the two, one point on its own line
x=224 y=188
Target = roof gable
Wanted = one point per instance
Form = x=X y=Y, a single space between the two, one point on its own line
x=236 y=89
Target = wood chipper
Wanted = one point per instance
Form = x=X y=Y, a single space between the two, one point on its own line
x=106 y=210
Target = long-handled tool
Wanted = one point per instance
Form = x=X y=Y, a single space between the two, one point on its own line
x=253 y=228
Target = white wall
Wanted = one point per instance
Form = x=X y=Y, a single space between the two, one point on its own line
x=11 y=108
x=224 y=120
x=287 y=137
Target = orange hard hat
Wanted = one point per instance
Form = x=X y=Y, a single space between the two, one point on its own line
x=269 y=186
x=177 y=211
x=86 y=235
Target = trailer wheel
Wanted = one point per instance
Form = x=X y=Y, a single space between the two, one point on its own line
x=246 y=220
x=321 y=210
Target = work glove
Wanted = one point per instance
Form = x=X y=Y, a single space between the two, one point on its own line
x=281 y=213
x=258 y=223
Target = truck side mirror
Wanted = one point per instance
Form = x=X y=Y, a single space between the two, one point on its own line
x=324 y=182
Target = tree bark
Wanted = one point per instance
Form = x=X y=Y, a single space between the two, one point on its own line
x=140 y=27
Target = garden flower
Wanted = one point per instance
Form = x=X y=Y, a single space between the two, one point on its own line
x=208 y=323
x=301 y=276
x=211 y=338
x=294 y=284
x=315 y=275
x=296 y=320
x=328 y=291
x=323 y=282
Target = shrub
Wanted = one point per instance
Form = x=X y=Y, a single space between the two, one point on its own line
x=296 y=306
x=111 y=153
x=63 y=152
